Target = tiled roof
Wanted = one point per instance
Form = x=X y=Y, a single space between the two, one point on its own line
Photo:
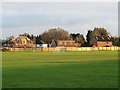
x=102 y=38
x=21 y=37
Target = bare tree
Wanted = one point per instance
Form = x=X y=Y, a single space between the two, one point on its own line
x=54 y=34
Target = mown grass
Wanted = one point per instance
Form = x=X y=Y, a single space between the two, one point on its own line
x=96 y=69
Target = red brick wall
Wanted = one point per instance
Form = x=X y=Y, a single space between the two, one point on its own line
x=23 y=45
x=67 y=43
x=102 y=44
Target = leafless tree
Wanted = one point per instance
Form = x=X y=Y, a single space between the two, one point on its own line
x=54 y=34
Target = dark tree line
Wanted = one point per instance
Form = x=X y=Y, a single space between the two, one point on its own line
x=79 y=38
x=116 y=41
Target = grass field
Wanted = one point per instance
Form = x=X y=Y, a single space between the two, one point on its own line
x=96 y=69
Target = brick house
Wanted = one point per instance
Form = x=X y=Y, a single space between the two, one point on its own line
x=68 y=43
x=101 y=41
x=20 y=42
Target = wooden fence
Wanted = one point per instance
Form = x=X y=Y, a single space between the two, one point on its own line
x=62 y=49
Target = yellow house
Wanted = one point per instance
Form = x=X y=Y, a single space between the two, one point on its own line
x=21 y=41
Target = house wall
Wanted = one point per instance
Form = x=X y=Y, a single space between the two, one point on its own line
x=68 y=43
x=23 y=45
x=102 y=44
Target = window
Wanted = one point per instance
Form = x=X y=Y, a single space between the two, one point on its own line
x=97 y=38
x=108 y=38
x=24 y=42
x=65 y=43
x=60 y=42
x=103 y=38
x=18 y=41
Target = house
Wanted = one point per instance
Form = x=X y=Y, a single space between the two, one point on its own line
x=68 y=43
x=101 y=41
x=20 y=42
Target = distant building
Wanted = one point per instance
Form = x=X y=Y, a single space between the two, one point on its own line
x=53 y=43
x=68 y=43
x=19 y=42
x=41 y=44
x=101 y=41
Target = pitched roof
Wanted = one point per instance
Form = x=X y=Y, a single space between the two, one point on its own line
x=102 y=38
x=41 y=42
x=21 y=37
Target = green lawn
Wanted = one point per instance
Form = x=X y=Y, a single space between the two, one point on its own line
x=96 y=69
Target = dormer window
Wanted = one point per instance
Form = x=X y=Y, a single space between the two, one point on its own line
x=97 y=38
x=103 y=38
x=108 y=38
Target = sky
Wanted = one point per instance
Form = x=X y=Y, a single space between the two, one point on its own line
x=75 y=17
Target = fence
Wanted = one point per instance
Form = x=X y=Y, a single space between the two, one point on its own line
x=61 y=49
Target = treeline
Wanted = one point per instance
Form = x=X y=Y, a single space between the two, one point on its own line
x=61 y=34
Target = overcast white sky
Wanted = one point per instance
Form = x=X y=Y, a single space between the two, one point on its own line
x=77 y=17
